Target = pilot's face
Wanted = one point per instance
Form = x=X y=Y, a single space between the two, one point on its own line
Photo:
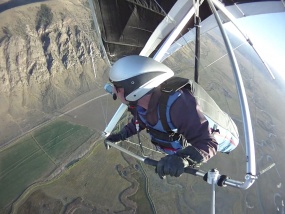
x=119 y=91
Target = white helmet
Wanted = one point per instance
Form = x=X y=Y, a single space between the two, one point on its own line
x=138 y=75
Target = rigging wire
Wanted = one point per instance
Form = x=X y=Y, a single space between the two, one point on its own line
x=164 y=12
x=238 y=8
x=145 y=147
x=223 y=56
x=105 y=111
x=138 y=132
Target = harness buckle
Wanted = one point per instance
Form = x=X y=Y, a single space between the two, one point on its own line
x=215 y=129
x=171 y=136
x=167 y=90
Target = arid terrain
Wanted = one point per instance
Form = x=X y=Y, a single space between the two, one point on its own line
x=44 y=65
x=47 y=74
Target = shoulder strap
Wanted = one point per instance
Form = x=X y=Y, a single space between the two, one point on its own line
x=174 y=84
x=168 y=88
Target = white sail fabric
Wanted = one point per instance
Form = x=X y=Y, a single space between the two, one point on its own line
x=247 y=9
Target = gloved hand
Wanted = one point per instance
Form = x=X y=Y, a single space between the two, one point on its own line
x=192 y=155
x=122 y=135
x=172 y=165
x=114 y=137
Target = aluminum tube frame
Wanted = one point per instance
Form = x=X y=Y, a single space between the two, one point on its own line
x=125 y=151
x=115 y=119
x=171 y=20
x=173 y=35
x=249 y=140
x=199 y=173
x=213 y=208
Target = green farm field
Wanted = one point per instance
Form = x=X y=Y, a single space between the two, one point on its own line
x=34 y=157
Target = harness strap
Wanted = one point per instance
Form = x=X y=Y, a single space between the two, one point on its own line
x=168 y=88
x=163 y=135
x=162 y=111
x=138 y=131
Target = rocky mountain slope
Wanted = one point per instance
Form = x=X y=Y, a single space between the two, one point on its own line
x=46 y=52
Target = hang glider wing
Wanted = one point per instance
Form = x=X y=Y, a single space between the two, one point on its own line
x=126 y=25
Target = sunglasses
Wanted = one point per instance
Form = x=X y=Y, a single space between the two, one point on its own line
x=117 y=87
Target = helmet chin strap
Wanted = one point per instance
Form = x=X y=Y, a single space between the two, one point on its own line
x=133 y=105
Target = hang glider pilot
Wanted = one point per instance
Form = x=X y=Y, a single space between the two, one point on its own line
x=137 y=82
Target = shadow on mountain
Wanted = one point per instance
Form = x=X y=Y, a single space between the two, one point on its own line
x=15 y=3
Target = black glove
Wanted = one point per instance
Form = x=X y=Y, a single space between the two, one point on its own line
x=192 y=155
x=122 y=135
x=172 y=165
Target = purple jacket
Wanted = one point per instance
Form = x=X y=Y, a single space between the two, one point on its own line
x=187 y=118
